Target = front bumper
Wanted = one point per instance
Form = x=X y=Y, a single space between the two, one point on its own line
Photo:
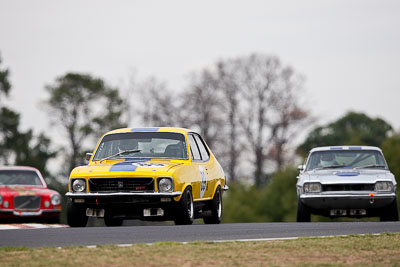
x=141 y=194
x=347 y=200
x=29 y=215
x=127 y=205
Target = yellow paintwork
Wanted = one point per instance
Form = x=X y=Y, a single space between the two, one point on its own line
x=184 y=172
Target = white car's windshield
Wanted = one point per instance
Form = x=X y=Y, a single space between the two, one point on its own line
x=358 y=159
x=142 y=144
x=19 y=177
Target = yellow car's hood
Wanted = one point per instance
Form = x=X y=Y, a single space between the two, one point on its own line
x=126 y=167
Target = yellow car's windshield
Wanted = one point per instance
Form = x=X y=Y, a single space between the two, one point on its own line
x=142 y=144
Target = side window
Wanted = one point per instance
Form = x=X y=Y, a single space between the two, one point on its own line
x=203 y=150
x=193 y=148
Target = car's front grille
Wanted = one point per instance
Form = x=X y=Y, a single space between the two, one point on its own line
x=121 y=184
x=27 y=202
x=348 y=187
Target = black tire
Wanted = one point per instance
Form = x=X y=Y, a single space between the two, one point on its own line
x=303 y=213
x=111 y=221
x=185 y=208
x=216 y=209
x=390 y=213
x=76 y=216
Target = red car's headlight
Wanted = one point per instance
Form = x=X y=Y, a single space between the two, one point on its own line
x=55 y=200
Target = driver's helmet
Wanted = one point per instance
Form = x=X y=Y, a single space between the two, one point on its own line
x=127 y=144
x=327 y=159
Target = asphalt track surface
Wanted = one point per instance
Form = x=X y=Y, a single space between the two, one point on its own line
x=89 y=236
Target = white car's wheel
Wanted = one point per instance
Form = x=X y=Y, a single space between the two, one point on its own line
x=303 y=213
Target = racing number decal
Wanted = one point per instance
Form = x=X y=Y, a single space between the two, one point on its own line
x=203 y=184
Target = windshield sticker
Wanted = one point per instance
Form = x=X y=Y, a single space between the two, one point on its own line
x=203 y=184
x=148 y=164
x=144 y=129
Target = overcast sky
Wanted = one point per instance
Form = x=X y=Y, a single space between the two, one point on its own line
x=348 y=50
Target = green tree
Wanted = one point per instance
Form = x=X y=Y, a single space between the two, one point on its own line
x=352 y=129
x=85 y=107
x=18 y=147
x=280 y=197
x=276 y=202
x=5 y=85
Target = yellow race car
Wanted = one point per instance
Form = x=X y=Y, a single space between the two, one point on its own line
x=153 y=174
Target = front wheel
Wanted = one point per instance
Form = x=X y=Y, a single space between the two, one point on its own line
x=76 y=216
x=216 y=209
x=391 y=213
x=303 y=213
x=185 y=210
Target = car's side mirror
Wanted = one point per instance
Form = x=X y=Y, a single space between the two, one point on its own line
x=300 y=168
x=88 y=156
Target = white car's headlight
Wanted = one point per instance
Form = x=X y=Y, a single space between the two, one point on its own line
x=312 y=187
x=383 y=186
x=165 y=184
x=55 y=199
x=78 y=185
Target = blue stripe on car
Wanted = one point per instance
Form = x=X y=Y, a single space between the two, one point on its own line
x=127 y=166
x=347 y=174
x=355 y=147
x=336 y=148
x=144 y=129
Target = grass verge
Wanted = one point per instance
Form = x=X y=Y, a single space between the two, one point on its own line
x=356 y=250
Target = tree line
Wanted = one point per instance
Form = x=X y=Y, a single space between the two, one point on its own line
x=248 y=109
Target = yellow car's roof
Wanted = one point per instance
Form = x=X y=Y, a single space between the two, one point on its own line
x=151 y=129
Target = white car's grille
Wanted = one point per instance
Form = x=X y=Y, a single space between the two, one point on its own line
x=348 y=187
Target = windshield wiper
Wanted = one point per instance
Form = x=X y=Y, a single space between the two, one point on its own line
x=371 y=166
x=121 y=153
x=330 y=167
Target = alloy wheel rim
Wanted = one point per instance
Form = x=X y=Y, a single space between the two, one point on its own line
x=219 y=206
x=190 y=205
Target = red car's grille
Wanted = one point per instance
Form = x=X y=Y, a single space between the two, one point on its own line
x=98 y=185
x=27 y=202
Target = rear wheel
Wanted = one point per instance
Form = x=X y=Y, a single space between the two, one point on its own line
x=216 y=209
x=76 y=216
x=185 y=210
x=391 y=213
x=303 y=213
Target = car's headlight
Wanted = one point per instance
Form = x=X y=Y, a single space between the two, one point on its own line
x=78 y=185
x=165 y=184
x=312 y=187
x=1 y=199
x=383 y=186
x=55 y=199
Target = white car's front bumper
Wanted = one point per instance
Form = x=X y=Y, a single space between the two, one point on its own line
x=347 y=200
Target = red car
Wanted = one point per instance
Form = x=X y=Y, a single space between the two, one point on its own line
x=24 y=196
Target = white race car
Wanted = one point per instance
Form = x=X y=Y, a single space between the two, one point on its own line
x=346 y=181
